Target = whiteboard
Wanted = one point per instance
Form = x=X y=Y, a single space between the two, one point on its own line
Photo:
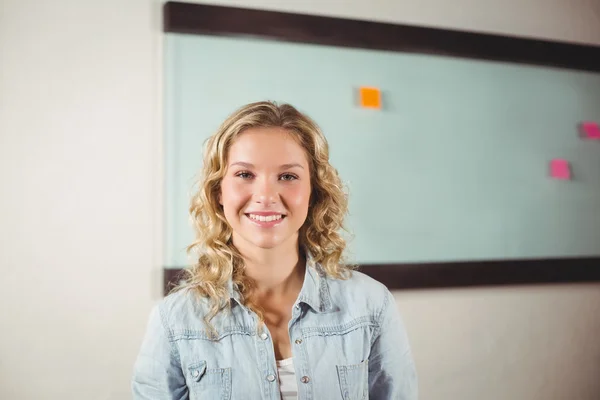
x=454 y=167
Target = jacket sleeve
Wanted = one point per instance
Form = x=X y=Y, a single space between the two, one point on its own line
x=157 y=371
x=392 y=371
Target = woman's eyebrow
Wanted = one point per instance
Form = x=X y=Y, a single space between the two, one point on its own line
x=242 y=164
x=249 y=165
x=293 y=165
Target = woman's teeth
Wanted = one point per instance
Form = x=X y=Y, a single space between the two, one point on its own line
x=265 y=218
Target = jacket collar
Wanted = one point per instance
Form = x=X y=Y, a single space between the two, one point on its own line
x=315 y=289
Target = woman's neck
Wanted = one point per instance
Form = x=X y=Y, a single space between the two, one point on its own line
x=276 y=271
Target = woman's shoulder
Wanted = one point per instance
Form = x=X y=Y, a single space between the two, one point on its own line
x=362 y=283
x=178 y=298
x=184 y=305
x=360 y=290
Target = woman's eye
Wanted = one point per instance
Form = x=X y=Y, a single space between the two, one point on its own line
x=288 y=177
x=244 y=175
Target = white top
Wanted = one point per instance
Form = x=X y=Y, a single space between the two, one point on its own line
x=287 y=379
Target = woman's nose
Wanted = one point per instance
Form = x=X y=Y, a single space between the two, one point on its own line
x=266 y=193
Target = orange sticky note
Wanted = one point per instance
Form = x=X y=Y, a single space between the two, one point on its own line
x=370 y=97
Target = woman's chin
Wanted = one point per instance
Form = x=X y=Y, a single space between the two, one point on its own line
x=265 y=243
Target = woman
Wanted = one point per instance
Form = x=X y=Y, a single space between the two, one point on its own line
x=269 y=310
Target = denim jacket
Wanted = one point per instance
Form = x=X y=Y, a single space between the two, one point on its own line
x=348 y=342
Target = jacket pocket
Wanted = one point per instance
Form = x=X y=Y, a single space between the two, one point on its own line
x=354 y=380
x=207 y=383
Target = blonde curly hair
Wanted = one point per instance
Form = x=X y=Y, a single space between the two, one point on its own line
x=218 y=261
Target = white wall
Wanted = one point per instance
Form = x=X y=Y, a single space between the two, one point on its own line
x=80 y=249
x=79 y=167
x=506 y=343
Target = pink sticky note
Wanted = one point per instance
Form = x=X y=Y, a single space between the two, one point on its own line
x=590 y=130
x=560 y=169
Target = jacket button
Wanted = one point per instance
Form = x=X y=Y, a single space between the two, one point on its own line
x=270 y=378
x=305 y=379
x=298 y=341
x=195 y=373
x=264 y=336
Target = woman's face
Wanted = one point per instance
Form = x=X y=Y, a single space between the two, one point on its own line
x=266 y=189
